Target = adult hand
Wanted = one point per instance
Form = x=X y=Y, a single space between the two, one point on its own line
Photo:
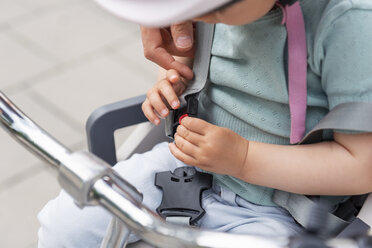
x=209 y=147
x=159 y=44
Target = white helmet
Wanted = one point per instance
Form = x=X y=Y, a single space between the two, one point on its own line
x=157 y=13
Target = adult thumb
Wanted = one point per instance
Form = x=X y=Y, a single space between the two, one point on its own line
x=183 y=35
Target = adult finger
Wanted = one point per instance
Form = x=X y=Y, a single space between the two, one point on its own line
x=183 y=35
x=154 y=48
x=170 y=46
x=164 y=59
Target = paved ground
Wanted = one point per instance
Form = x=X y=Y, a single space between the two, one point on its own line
x=59 y=60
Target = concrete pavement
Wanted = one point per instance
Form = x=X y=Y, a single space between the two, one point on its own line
x=59 y=60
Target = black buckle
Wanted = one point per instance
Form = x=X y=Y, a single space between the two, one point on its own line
x=182 y=192
x=172 y=121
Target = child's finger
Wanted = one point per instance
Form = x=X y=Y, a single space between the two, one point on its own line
x=168 y=93
x=149 y=112
x=188 y=135
x=195 y=125
x=180 y=86
x=185 y=146
x=182 y=156
x=157 y=103
x=179 y=83
x=173 y=76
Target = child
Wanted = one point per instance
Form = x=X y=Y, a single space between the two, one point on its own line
x=243 y=134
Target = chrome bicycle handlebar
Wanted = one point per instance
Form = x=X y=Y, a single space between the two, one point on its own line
x=91 y=181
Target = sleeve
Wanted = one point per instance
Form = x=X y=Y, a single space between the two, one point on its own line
x=346 y=68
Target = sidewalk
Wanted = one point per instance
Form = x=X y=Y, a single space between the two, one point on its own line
x=59 y=60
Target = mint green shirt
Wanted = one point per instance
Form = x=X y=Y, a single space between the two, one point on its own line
x=248 y=91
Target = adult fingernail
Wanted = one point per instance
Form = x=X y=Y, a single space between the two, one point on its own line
x=157 y=122
x=184 y=41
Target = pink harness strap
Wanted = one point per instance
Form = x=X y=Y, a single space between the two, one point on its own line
x=297 y=69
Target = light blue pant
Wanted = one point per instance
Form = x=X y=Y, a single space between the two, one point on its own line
x=63 y=224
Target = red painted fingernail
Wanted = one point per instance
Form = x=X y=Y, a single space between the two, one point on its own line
x=182 y=116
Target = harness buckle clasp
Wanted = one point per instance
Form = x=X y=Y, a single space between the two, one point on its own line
x=173 y=119
x=182 y=192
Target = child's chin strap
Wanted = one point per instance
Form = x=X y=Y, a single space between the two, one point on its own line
x=297 y=68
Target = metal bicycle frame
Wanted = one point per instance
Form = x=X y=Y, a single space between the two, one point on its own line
x=91 y=181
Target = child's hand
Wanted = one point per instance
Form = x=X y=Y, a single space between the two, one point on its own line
x=164 y=94
x=210 y=147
